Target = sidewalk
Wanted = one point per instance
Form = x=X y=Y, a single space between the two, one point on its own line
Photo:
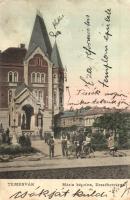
x=41 y=160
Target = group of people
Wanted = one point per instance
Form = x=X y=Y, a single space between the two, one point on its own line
x=78 y=143
x=5 y=136
x=24 y=140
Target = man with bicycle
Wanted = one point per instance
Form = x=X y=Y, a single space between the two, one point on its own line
x=87 y=146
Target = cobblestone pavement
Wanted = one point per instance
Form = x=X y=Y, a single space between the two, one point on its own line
x=39 y=165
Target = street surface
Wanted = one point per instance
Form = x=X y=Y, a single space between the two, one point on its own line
x=41 y=160
x=39 y=165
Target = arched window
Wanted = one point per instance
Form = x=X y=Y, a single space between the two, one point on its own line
x=19 y=119
x=61 y=98
x=38 y=77
x=55 y=102
x=55 y=78
x=39 y=95
x=54 y=75
x=23 y=124
x=39 y=61
x=39 y=120
x=42 y=78
x=10 y=76
x=33 y=77
x=15 y=77
x=9 y=96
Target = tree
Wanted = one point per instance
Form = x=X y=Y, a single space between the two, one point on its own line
x=116 y=122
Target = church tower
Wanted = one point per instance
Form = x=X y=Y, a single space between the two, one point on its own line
x=44 y=74
x=34 y=88
x=38 y=66
x=58 y=80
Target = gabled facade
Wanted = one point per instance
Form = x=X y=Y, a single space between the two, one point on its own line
x=31 y=83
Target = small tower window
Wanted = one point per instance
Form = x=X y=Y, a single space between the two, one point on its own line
x=33 y=77
x=39 y=95
x=10 y=77
x=15 y=76
x=54 y=97
x=38 y=77
x=61 y=98
x=54 y=76
x=39 y=120
x=39 y=61
x=9 y=96
x=42 y=78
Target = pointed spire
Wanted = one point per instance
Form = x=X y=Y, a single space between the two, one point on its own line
x=55 y=56
x=39 y=37
x=39 y=13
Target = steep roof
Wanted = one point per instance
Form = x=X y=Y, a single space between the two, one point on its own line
x=39 y=38
x=55 y=56
x=20 y=88
x=13 y=55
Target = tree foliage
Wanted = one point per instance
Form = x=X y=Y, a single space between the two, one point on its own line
x=111 y=121
x=117 y=122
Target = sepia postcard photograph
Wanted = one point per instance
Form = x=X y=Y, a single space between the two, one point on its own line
x=65 y=95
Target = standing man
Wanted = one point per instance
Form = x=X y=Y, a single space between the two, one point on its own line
x=40 y=133
x=51 y=144
x=64 y=145
x=89 y=146
x=45 y=137
x=80 y=139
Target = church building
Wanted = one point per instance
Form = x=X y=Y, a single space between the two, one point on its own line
x=31 y=83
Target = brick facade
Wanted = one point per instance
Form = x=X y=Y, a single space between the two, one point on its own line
x=31 y=82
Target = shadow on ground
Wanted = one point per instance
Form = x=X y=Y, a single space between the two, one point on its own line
x=104 y=172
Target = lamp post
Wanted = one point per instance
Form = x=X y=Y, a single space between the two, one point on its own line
x=40 y=119
x=14 y=124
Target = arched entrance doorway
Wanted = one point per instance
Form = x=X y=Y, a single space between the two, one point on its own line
x=26 y=117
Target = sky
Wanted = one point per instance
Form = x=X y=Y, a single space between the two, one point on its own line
x=16 y=23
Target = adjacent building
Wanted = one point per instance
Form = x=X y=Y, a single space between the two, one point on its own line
x=83 y=117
